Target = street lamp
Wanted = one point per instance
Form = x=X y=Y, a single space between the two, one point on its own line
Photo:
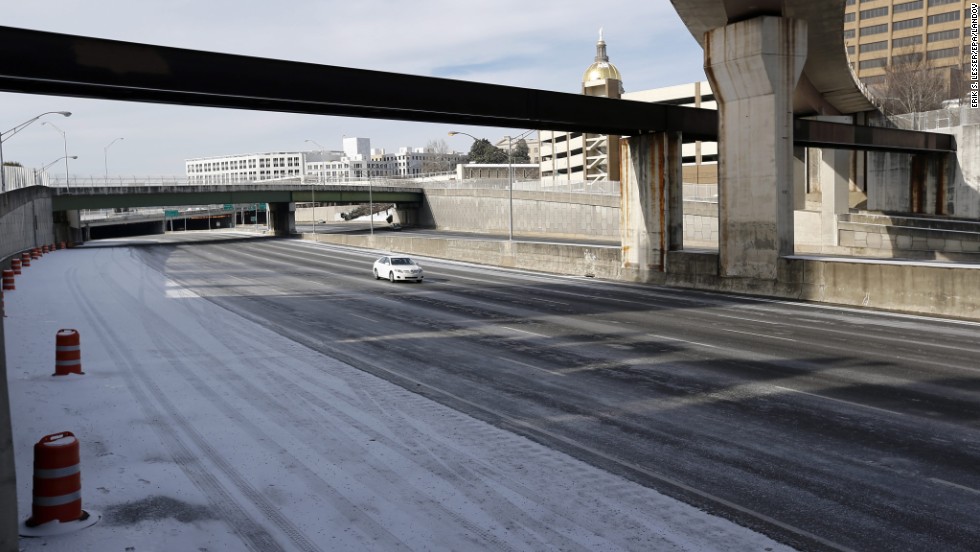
x=323 y=161
x=56 y=160
x=7 y=134
x=64 y=138
x=510 y=176
x=105 y=158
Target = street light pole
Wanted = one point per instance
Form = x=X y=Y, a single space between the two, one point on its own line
x=105 y=152
x=64 y=138
x=323 y=160
x=510 y=191
x=8 y=134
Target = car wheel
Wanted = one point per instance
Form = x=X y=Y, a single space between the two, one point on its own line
x=376 y=277
x=391 y=276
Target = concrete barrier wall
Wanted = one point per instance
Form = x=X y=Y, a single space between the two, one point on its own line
x=573 y=215
x=26 y=220
x=543 y=213
x=920 y=288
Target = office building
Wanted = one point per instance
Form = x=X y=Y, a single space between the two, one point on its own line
x=882 y=32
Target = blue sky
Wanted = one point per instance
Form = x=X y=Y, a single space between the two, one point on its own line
x=545 y=45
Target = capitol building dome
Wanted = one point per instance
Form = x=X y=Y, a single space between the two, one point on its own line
x=601 y=69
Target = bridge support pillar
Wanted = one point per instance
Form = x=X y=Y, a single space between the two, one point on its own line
x=282 y=218
x=651 y=201
x=753 y=67
x=835 y=168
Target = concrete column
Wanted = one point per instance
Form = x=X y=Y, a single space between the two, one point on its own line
x=282 y=218
x=651 y=201
x=753 y=67
x=799 y=178
x=835 y=168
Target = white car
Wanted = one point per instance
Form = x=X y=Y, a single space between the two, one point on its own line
x=397 y=268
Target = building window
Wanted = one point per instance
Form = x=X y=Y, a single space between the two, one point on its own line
x=907 y=24
x=848 y=34
x=907 y=41
x=848 y=17
x=943 y=53
x=907 y=58
x=942 y=2
x=874 y=12
x=943 y=35
x=907 y=6
x=875 y=29
x=874 y=46
x=849 y=3
x=850 y=50
x=944 y=17
x=873 y=63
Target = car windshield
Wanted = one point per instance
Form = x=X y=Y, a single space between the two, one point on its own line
x=401 y=261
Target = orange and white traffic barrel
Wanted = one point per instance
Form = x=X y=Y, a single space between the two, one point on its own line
x=35 y=253
x=15 y=265
x=61 y=245
x=8 y=280
x=25 y=259
x=44 y=249
x=57 y=480
x=57 y=488
x=68 y=353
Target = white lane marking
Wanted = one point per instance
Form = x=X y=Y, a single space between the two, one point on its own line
x=547 y=301
x=765 y=336
x=526 y=332
x=954 y=485
x=534 y=367
x=859 y=405
x=364 y=317
x=749 y=319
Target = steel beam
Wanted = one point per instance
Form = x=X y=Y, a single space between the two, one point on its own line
x=78 y=66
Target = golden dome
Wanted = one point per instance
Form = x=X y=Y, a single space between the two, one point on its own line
x=601 y=69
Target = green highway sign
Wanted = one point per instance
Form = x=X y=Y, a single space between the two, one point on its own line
x=229 y=207
x=171 y=213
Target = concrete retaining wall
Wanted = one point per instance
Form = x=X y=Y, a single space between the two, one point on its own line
x=535 y=213
x=26 y=220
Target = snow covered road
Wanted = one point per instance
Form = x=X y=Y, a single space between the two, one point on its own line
x=203 y=431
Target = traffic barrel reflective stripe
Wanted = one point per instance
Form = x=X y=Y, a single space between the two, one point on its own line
x=57 y=480
x=15 y=265
x=25 y=259
x=8 y=279
x=68 y=353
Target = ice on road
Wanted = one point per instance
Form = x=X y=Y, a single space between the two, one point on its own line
x=201 y=431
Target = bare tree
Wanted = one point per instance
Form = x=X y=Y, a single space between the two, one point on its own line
x=912 y=84
x=440 y=161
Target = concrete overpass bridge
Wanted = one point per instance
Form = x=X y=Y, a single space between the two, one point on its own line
x=66 y=203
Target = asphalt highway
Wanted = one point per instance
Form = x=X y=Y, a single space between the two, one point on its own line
x=826 y=428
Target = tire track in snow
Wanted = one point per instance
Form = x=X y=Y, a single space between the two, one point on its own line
x=240 y=522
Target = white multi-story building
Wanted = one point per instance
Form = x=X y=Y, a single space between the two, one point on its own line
x=700 y=158
x=356 y=161
x=249 y=167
